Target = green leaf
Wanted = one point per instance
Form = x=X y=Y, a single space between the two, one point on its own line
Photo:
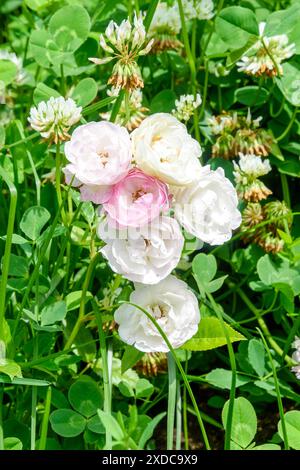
x=289 y=82
x=94 y=424
x=204 y=268
x=273 y=271
x=22 y=381
x=12 y=443
x=8 y=71
x=70 y=27
x=67 y=423
x=267 y=447
x=236 y=25
x=43 y=92
x=10 y=368
x=33 y=221
x=251 y=95
x=210 y=335
x=149 y=430
x=256 y=356
x=53 y=313
x=221 y=378
x=18 y=266
x=292 y=422
x=2 y=136
x=144 y=388
x=111 y=425
x=74 y=298
x=126 y=389
x=163 y=102
x=85 y=396
x=85 y=92
x=39 y=41
x=130 y=357
x=37 y=5
x=244 y=421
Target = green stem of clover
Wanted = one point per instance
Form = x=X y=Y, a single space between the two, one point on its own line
x=85 y=287
x=58 y=180
x=45 y=422
x=278 y=394
x=264 y=327
x=228 y=427
x=1 y=418
x=182 y=373
x=289 y=126
x=178 y=415
x=285 y=189
x=171 y=401
x=105 y=370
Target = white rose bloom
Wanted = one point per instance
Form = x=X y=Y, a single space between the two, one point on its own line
x=147 y=254
x=99 y=154
x=171 y=303
x=208 y=207
x=163 y=148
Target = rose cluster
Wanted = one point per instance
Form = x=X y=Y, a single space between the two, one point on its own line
x=150 y=183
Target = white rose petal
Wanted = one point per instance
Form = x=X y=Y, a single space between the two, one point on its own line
x=208 y=207
x=171 y=303
x=147 y=254
x=163 y=148
x=99 y=154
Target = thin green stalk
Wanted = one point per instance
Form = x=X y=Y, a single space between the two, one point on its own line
x=116 y=106
x=85 y=287
x=228 y=428
x=105 y=372
x=63 y=80
x=277 y=388
x=289 y=126
x=92 y=108
x=45 y=422
x=33 y=418
x=178 y=416
x=187 y=44
x=150 y=14
x=22 y=141
x=7 y=250
x=58 y=180
x=185 y=421
x=205 y=89
x=183 y=375
x=127 y=107
x=264 y=327
x=1 y=418
x=285 y=189
x=171 y=401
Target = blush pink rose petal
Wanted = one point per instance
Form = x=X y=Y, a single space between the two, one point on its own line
x=136 y=200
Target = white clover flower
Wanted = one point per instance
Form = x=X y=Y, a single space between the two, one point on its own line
x=53 y=118
x=219 y=123
x=163 y=148
x=186 y=106
x=208 y=207
x=296 y=357
x=250 y=167
x=99 y=155
x=146 y=254
x=171 y=303
x=267 y=50
x=218 y=69
x=12 y=57
x=200 y=9
x=166 y=20
x=125 y=43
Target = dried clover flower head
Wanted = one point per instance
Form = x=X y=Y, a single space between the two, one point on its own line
x=186 y=106
x=265 y=57
x=152 y=364
x=238 y=134
x=125 y=43
x=53 y=118
x=277 y=214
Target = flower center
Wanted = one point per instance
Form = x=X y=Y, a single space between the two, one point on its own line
x=137 y=194
x=103 y=157
x=159 y=311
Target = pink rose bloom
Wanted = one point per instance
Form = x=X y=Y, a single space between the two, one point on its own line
x=136 y=200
